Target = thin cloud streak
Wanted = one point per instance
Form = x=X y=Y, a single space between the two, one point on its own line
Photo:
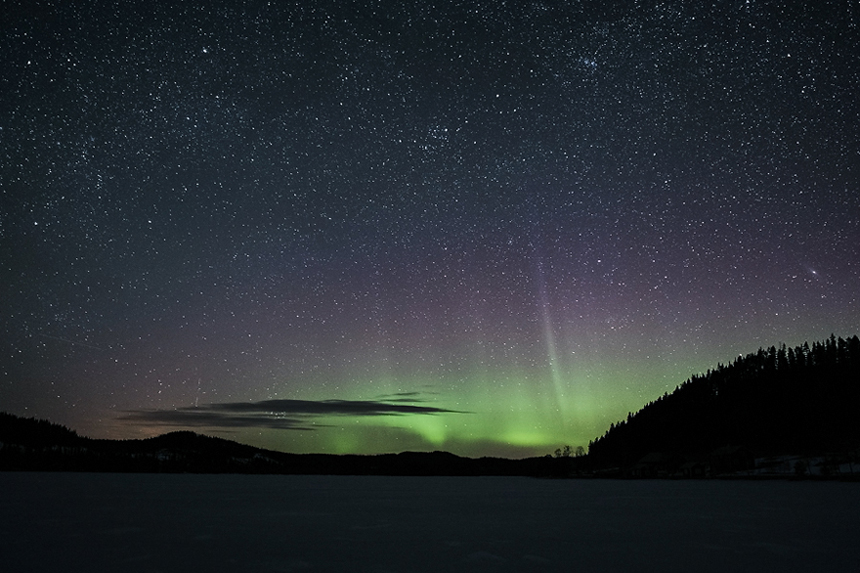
x=204 y=418
x=279 y=414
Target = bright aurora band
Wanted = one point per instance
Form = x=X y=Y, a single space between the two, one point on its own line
x=491 y=228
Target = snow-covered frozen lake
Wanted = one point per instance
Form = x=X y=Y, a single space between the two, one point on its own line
x=62 y=522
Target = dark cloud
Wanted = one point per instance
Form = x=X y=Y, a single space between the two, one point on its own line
x=282 y=414
x=407 y=397
x=207 y=417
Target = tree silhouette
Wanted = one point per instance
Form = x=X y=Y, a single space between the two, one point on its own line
x=776 y=400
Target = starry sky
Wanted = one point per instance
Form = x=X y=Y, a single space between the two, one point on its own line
x=490 y=227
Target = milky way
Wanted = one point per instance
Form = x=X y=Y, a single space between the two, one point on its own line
x=491 y=228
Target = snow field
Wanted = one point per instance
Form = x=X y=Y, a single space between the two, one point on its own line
x=165 y=523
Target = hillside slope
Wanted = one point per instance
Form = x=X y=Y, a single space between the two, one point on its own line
x=775 y=401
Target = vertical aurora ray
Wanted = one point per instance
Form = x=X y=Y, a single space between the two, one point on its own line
x=545 y=309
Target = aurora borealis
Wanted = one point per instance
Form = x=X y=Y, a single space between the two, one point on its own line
x=491 y=228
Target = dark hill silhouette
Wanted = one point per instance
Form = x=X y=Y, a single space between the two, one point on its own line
x=34 y=433
x=802 y=400
x=28 y=444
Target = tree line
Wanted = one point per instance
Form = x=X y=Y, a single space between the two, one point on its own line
x=778 y=400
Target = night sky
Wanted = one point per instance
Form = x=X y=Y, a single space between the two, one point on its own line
x=491 y=227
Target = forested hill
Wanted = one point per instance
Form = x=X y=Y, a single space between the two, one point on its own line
x=803 y=400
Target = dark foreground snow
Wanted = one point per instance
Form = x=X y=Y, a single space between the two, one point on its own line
x=149 y=523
